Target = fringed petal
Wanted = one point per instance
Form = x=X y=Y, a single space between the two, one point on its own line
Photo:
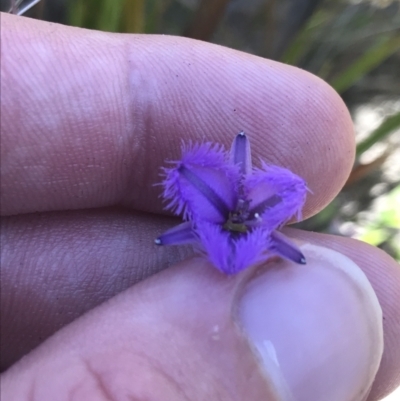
x=284 y=247
x=231 y=255
x=178 y=235
x=203 y=186
x=275 y=194
x=241 y=153
x=232 y=210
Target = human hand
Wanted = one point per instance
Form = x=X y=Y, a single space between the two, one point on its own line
x=87 y=119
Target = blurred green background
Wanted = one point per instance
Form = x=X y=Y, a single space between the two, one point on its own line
x=352 y=44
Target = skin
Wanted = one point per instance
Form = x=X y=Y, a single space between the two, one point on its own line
x=87 y=119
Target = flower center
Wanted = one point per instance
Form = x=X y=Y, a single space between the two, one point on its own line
x=237 y=219
x=230 y=225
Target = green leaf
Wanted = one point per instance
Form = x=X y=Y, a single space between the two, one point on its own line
x=109 y=15
x=375 y=237
x=390 y=215
x=134 y=16
x=380 y=51
x=304 y=39
x=389 y=125
x=76 y=13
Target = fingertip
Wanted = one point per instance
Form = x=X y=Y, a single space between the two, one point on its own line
x=384 y=275
x=172 y=333
x=184 y=326
x=207 y=92
x=103 y=111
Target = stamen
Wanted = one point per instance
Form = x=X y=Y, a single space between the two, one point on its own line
x=241 y=153
x=286 y=248
x=212 y=197
x=264 y=205
x=255 y=222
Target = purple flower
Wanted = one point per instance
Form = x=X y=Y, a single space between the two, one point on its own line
x=232 y=211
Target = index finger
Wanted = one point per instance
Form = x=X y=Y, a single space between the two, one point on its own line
x=88 y=118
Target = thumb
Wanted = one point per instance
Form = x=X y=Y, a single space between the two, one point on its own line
x=281 y=332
